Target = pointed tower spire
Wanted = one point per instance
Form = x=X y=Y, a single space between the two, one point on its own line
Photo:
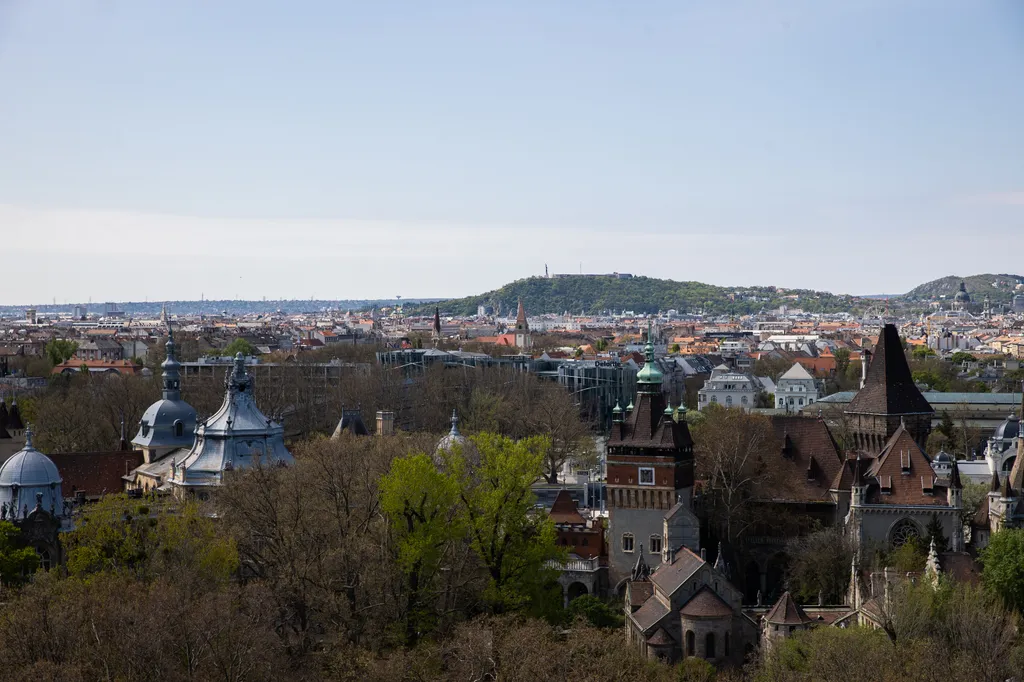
x=171 y=371
x=932 y=569
x=641 y=571
x=649 y=378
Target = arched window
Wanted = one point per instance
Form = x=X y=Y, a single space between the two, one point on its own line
x=179 y=429
x=728 y=400
x=709 y=645
x=44 y=560
x=726 y=645
x=714 y=398
x=903 y=532
x=743 y=400
x=690 y=643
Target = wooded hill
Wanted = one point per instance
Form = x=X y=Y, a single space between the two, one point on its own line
x=594 y=294
x=999 y=288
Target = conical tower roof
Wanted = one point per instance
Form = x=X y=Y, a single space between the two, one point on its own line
x=889 y=388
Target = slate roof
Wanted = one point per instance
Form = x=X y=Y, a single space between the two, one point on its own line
x=650 y=614
x=648 y=427
x=669 y=577
x=660 y=638
x=787 y=612
x=808 y=459
x=639 y=592
x=889 y=387
x=706 y=604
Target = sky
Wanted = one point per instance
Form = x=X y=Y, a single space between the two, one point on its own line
x=323 y=148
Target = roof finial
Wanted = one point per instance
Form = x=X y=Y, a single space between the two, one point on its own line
x=455 y=423
x=28 y=436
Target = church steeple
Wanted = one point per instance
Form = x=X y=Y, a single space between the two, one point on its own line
x=649 y=378
x=171 y=371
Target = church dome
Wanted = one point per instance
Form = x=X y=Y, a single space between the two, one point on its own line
x=942 y=458
x=27 y=474
x=962 y=296
x=1008 y=429
x=453 y=441
x=169 y=422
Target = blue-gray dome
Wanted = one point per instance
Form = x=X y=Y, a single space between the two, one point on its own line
x=1010 y=428
x=28 y=474
x=942 y=458
x=169 y=422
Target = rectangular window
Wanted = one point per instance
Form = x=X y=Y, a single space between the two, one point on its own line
x=646 y=476
x=627 y=542
x=655 y=544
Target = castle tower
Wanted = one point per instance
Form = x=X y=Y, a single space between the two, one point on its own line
x=436 y=332
x=524 y=341
x=888 y=397
x=650 y=476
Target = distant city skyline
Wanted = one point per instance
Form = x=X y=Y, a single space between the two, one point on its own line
x=168 y=151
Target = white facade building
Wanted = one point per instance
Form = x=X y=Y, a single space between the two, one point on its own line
x=729 y=388
x=796 y=389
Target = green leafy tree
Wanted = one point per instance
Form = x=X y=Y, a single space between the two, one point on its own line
x=118 y=534
x=512 y=540
x=595 y=611
x=237 y=346
x=59 y=351
x=422 y=504
x=17 y=561
x=935 y=534
x=922 y=352
x=960 y=357
x=1003 y=567
x=842 y=356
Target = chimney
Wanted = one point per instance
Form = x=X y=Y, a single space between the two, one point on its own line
x=385 y=423
x=865 y=358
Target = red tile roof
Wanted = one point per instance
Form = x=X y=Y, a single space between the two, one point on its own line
x=787 y=612
x=96 y=473
x=706 y=604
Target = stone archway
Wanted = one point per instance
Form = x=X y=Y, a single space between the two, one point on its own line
x=576 y=590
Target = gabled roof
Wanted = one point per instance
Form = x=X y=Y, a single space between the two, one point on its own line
x=564 y=509
x=889 y=388
x=796 y=372
x=706 y=604
x=647 y=426
x=670 y=576
x=787 y=612
x=660 y=638
x=899 y=470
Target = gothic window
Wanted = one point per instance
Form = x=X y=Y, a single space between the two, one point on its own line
x=646 y=476
x=627 y=542
x=903 y=532
x=655 y=544
x=44 y=560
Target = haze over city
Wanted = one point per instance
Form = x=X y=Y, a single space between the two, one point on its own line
x=352 y=150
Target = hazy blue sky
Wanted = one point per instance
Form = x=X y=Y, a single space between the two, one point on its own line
x=169 y=148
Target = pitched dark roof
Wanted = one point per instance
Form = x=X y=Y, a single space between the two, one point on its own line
x=889 y=388
x=670 y=576
x=647 y=426
x=706 y=604
x=902 y=474
x=787 y=612
x=95 y=473
x=809 y=459
x=564 y=509
x=660 y=638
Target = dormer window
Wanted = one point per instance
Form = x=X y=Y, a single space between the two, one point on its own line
x=145 y=428
x=885 y=483
x=179 y=429
x=904 y=462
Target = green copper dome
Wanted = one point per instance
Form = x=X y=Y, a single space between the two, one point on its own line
x=649 y=377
